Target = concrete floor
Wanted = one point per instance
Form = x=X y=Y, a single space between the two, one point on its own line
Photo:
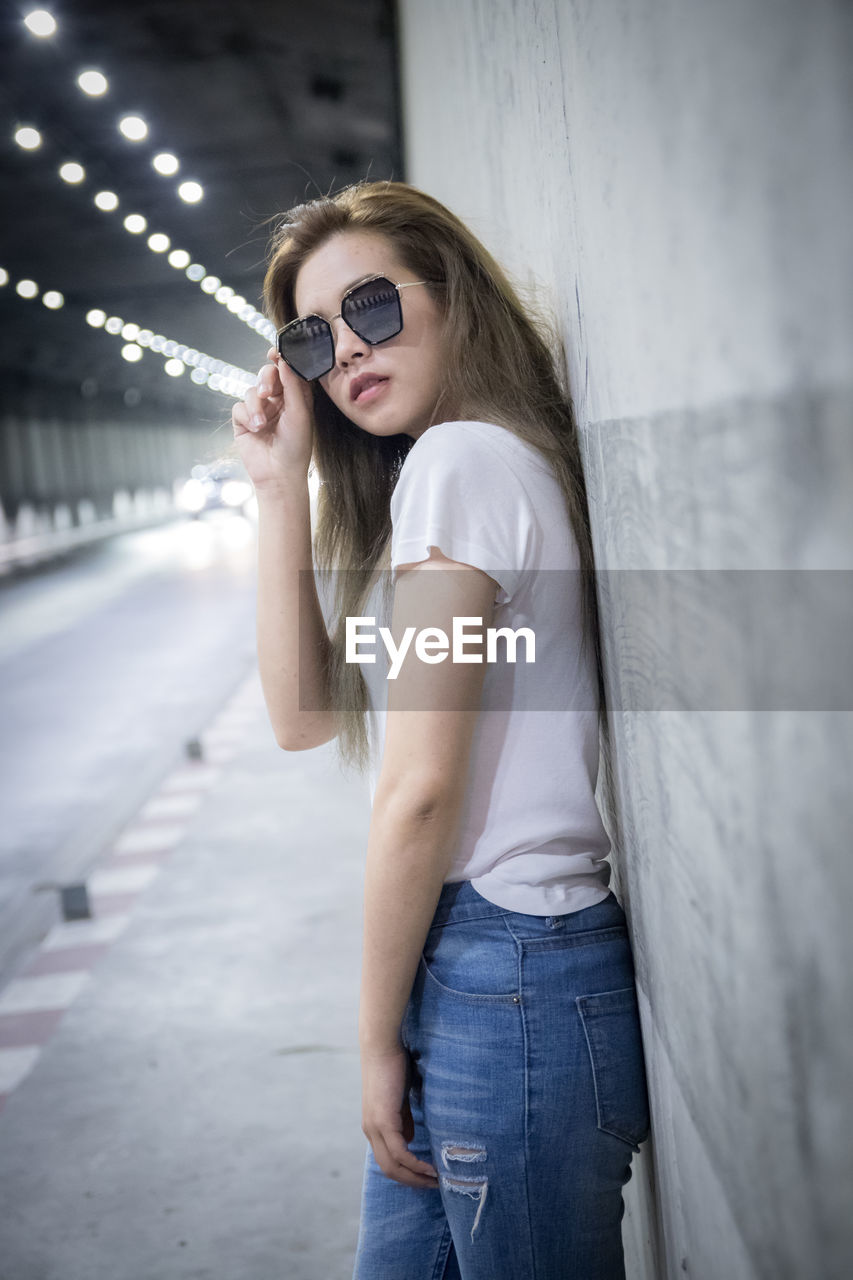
x=195 y=1111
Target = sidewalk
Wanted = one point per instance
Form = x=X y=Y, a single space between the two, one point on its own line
x=179 y=1076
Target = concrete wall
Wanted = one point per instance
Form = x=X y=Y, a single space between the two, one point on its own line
x=676 y=181
x=87 y=457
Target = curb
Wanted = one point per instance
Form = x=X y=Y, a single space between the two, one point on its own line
x=32 y=1003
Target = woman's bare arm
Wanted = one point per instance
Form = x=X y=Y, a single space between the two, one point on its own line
x=432 y=712
x=274 y=431
x=430 y=725
x=293 y=642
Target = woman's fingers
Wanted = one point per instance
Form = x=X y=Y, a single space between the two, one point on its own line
x=287 y=379
x=254 y=406
x=397 y=1162
x=399 y=1152
x=262 y=404
x=276 y=383
x=240 y=419
x=280 y=416
x=255 y=412
x=269 y=382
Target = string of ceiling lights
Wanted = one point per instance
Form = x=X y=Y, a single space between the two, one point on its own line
x=207 y=371
x=216 y=374
x=30 y=139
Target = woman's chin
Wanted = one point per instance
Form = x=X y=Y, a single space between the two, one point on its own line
x=380 y=424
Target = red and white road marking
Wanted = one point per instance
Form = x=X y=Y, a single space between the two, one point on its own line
x=32 y=1004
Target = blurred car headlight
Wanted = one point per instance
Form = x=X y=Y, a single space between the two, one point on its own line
x=193 y=496
x=236 y=492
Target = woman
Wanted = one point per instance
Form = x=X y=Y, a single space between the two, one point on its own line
x=503 y=1086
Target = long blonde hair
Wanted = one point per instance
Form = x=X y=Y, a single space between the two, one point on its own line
x=498 y=367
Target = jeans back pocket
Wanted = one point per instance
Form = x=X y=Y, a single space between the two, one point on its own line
x=611 y=1023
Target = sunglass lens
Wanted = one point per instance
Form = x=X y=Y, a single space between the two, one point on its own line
x=372 y=310
x=307 y=347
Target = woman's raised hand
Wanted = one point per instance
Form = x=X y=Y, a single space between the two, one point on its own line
x=274 y=426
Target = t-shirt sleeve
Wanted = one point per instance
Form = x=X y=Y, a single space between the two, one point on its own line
x=458 y=493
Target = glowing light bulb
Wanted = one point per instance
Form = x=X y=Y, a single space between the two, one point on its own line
x=166 y=163
x=40 y=23
x=190 y=192
x=93 y=83
x=72 y=172
x=27 y=288
x=27 y=137
x=179 y=258
x=174 y=368
x=135 y=223
x=158 y=243
x=107 y=201
x=96 y=318
x=131 y=352
x=134 y=128
x=53 y=300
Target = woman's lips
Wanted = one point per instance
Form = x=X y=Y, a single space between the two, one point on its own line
x=373 y=389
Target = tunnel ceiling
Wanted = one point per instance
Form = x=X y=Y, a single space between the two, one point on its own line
x=265 y=103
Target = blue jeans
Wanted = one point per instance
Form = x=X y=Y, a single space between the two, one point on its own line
x=528 y=1095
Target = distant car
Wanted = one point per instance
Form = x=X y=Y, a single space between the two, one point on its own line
x=217 y=486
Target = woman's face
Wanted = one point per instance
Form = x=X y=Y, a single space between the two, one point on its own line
x=391 y=387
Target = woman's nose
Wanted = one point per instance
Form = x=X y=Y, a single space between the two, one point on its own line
x=348 y=345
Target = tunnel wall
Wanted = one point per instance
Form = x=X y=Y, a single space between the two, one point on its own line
x=80 y=456
x=675 y=183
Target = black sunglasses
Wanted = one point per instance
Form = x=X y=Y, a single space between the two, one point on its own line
x=371 y=309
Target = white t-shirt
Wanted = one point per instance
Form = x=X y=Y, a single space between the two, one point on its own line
x=530 y=836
